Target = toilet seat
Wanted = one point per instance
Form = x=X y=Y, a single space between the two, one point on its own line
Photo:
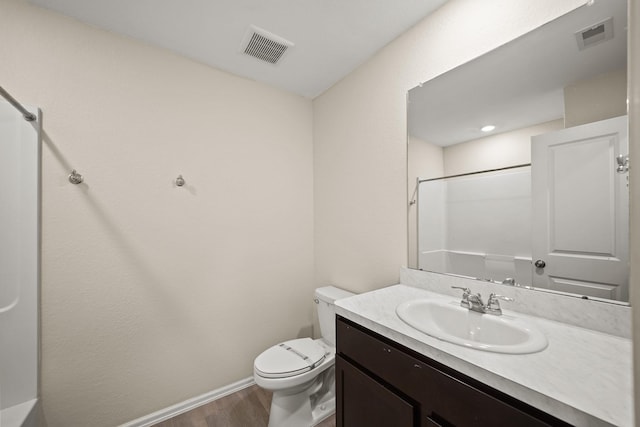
x=290 y=358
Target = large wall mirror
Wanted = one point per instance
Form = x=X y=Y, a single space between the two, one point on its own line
x=518 y=161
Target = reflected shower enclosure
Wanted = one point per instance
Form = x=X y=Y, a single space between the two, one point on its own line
x=478 y=225
x=19 y=266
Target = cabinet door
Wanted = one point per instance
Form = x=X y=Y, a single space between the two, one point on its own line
x=361 y=401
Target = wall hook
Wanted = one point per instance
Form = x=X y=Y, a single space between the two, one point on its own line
x=180 y=181
x=75 y=177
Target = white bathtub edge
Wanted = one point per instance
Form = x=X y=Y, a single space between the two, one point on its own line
x=16 y=416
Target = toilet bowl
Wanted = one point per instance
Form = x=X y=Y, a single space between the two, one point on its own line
x=300 y=372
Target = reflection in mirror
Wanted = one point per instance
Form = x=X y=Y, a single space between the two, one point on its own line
x=539 y=198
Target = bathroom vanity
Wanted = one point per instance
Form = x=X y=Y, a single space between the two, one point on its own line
x=388 y=373
x=383 y=383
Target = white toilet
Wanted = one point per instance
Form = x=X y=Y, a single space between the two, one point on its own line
x=300 y=372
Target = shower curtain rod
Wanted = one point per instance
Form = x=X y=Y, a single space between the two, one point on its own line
x=420 y=181
x=28 y=116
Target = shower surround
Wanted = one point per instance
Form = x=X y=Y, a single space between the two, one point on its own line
x=19 y=267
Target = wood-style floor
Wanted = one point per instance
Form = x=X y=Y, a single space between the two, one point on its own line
x=246 y=408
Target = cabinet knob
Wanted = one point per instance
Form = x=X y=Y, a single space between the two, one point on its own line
x=540 y=264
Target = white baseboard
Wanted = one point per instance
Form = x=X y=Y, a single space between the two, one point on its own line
x=187 y=405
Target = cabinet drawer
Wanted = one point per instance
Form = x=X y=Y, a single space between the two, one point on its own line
x=384 y=360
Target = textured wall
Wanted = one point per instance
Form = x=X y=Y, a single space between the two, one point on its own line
x=360 y=135
x=152 y=294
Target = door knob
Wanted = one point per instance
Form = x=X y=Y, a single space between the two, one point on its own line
x=540 y=264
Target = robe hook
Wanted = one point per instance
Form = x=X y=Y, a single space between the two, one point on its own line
x=75 y=177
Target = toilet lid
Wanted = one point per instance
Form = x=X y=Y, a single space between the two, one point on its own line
x=289 y=358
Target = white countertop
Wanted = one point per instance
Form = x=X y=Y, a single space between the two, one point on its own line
x=583 y=377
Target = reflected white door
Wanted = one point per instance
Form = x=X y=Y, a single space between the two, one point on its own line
x=581 y=210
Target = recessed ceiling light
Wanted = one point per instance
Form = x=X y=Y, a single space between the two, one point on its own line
x=487 y=128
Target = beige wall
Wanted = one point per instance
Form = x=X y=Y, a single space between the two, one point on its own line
x=495 y=151
x=153 y=294
x=360 y=135
x=599 y=98
x=424 y=160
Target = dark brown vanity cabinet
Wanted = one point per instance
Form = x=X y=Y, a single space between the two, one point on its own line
x=381 y=383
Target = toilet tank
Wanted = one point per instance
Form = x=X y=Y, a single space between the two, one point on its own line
x=325 y=297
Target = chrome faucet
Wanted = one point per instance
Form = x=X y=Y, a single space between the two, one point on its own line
x=474 y=302
x=466 y=292
x=493 y=305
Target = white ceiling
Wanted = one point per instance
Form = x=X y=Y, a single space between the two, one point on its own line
x=331 y=37
x=519 y=84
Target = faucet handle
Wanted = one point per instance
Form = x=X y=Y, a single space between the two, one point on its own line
x=502 y=297
x=466 y=292
x=493 y=304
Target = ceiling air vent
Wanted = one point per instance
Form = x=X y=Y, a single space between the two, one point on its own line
x=263 y=45
x=595 y=34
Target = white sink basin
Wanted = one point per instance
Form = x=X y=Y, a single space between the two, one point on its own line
x=458 y=325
